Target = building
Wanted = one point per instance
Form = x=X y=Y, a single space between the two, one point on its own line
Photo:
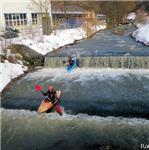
x=22 y=14
x=19 y=14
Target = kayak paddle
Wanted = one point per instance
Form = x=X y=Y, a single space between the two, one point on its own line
x=38 y=88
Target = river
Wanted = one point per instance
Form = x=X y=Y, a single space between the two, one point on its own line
x=111 y=109
x=103 y=108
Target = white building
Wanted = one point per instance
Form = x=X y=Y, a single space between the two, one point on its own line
x=19 y=14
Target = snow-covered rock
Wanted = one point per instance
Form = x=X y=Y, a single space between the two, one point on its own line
x=142 y=34
x=9 y=71
x=131 y=16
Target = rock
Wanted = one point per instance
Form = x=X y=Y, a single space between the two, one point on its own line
x=23 y=52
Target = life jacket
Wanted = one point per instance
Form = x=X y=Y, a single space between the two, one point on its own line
x=71 y=62
x=52 y=94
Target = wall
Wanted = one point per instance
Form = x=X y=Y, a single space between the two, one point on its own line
x=130 y=62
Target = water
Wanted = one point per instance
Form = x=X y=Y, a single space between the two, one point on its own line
x=111 y=109
x=103 y=50
x=101 y=106
x=105 y=43
x=25 y=130
x=103 y=92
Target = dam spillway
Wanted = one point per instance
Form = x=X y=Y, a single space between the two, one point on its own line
x=129 y=62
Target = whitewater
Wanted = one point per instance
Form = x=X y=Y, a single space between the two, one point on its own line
x=102 y=106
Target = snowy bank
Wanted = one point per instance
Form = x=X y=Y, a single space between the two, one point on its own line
x=131 y=16
x=9 y=71
x=58 y=38
x=142 y=34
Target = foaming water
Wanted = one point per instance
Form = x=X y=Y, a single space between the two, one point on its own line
x=103 y=92
x=23 y=129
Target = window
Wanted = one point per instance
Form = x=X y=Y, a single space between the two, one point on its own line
x=15 y=19
x=34 y=18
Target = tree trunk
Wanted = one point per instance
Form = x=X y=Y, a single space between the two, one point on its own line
x=46 y=25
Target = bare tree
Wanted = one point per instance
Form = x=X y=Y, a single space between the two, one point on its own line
x=44 y=8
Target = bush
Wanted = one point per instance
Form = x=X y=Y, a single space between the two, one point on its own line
x=10 y=33
x=9 y=29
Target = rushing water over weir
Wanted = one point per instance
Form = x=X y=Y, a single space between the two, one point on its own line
x=131 y=62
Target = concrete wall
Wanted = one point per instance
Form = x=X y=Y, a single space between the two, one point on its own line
x=129 y=62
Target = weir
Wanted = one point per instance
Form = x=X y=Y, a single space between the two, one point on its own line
x=130 y=62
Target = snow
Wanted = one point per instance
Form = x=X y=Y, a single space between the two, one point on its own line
x=9 y=71
x=131 y=16
x=59 y=38
x=142 y=34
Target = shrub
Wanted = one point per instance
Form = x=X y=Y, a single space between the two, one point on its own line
x=10 y=33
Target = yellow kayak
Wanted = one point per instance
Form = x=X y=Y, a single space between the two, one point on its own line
x=46 y=105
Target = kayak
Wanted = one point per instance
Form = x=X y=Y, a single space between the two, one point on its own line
x=59 y=109
x=70 y=68
x=46 y=105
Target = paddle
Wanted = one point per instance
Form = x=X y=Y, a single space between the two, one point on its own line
x=39 y=89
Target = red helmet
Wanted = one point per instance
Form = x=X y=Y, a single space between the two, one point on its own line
x=51 y=87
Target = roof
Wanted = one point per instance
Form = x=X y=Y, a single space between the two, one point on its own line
x=59 y=8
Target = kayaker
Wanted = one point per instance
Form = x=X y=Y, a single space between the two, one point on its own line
x=51 y=94
x=70 y=61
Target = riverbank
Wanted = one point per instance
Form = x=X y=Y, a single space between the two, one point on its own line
x=141 y=21
x=8 y=86
x=9 y=72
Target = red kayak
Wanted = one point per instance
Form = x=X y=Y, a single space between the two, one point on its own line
x=59 y=109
